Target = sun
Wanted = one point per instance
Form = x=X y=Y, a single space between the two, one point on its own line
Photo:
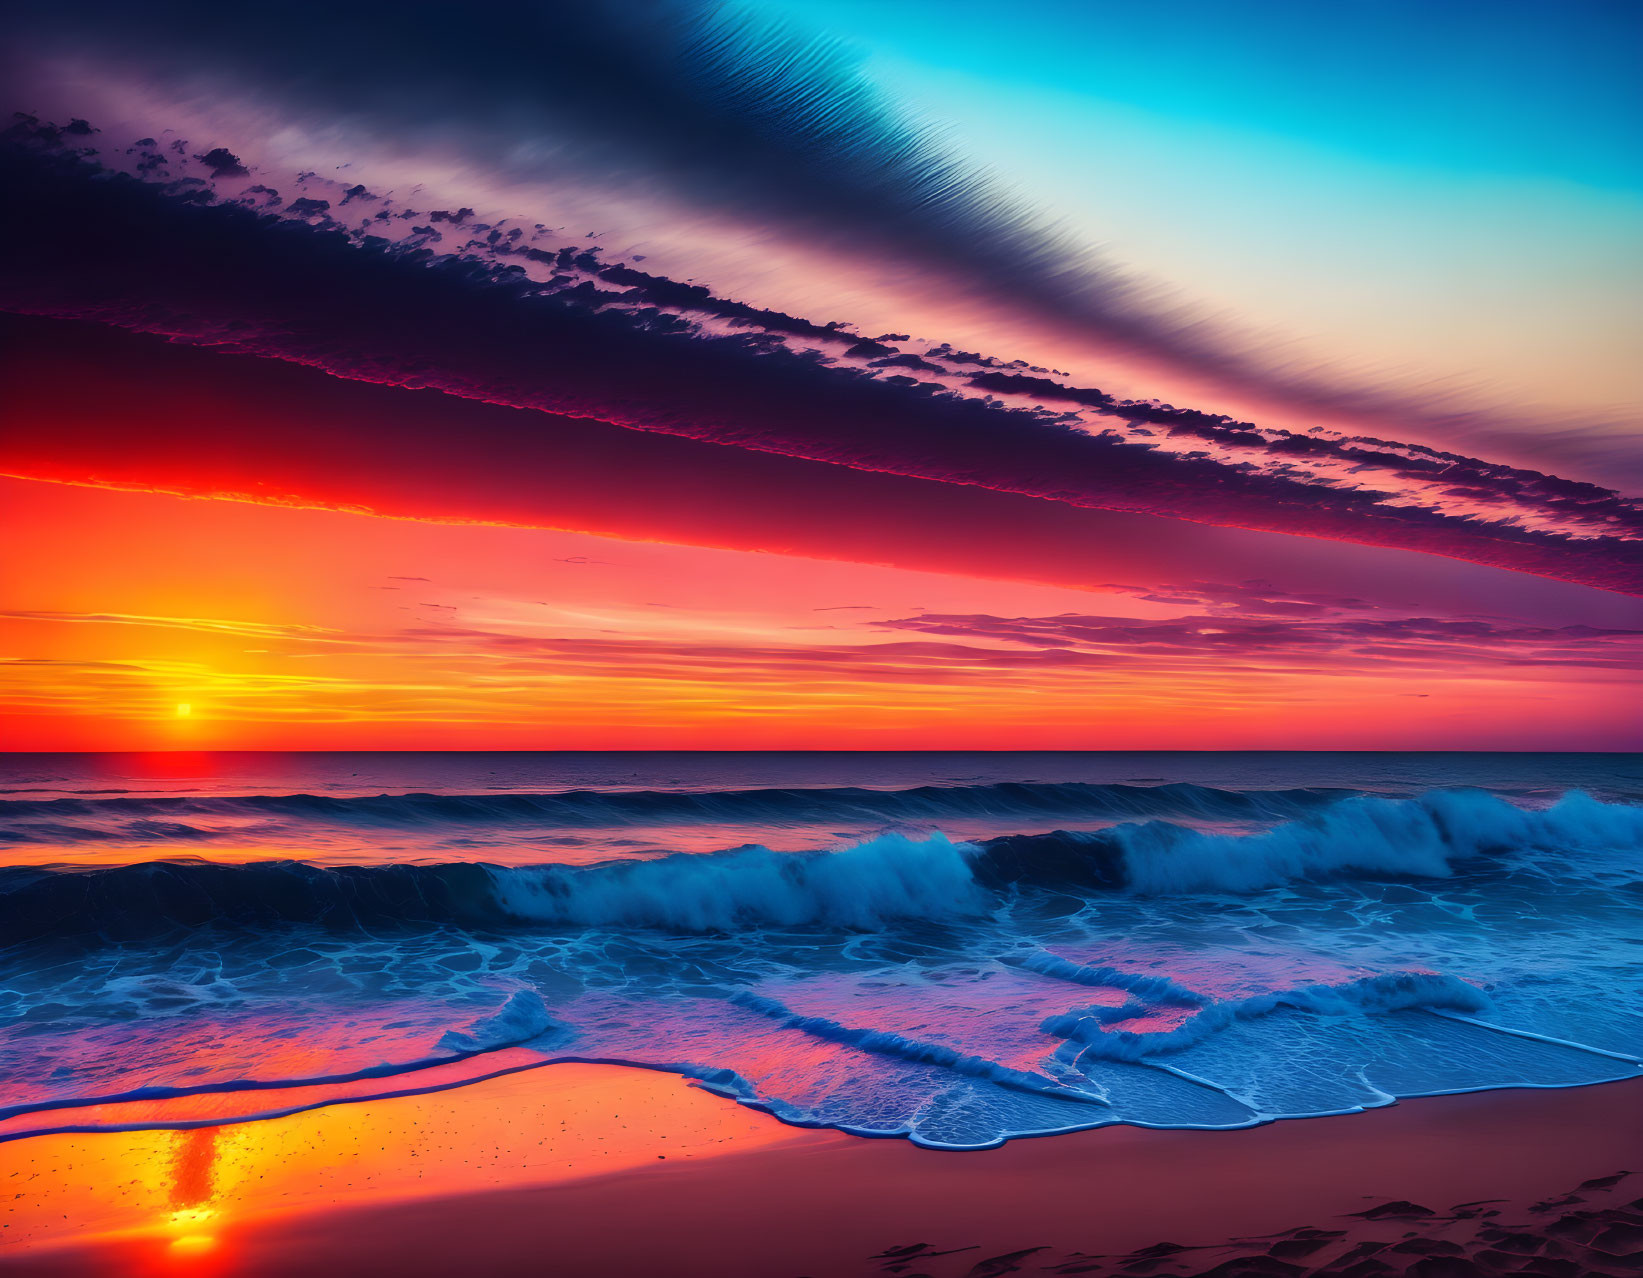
x=184 y=709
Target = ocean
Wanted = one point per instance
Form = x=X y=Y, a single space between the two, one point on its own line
x=955 y=948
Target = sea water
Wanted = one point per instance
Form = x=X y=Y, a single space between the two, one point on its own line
x=954 y=948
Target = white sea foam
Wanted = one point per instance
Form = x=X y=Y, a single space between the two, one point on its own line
x=861 y=887
x=1420 y=838
x=520 y=1019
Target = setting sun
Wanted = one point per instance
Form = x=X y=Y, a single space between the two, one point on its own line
x=184 y=709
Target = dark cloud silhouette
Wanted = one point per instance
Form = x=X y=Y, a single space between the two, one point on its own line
x=1466 y=477
x=116 y=250
x=223 y=163
x=731 y=110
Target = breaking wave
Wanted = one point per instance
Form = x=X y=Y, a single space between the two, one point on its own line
x=1191 y=957
x=873 y=884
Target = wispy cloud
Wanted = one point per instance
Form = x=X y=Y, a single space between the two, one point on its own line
x=1340 y=644
x=261 y=630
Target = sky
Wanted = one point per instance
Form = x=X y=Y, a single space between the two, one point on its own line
x=1452 y=192
x=815 y=374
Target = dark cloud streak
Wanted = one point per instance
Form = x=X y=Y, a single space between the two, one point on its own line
x=744 y=115
x=90 y=245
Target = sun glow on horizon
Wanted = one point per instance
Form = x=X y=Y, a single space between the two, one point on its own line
x=443 y=636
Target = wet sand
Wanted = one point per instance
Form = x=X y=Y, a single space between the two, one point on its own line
x=593 y=1170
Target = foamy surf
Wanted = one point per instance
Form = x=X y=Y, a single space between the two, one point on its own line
x=1270 y=954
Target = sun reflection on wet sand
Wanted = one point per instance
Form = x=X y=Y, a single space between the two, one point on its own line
x=186 y=1192
x=193 y=1169
x=193 y=1245
x=193 y=1184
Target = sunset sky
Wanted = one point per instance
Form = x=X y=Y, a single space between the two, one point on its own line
x=734 y=384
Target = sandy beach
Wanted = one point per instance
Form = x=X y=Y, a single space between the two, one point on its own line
x=594 y=1170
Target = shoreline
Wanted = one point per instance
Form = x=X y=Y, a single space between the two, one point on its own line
x=614 y=1171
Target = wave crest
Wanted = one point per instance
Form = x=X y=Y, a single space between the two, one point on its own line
x=1367 y=836
x=859 y=888
x=883 y=881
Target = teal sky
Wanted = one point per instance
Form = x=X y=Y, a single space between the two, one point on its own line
x=1432 y=191
x=1507 y=89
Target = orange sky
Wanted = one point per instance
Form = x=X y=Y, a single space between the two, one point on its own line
x=291 y=628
